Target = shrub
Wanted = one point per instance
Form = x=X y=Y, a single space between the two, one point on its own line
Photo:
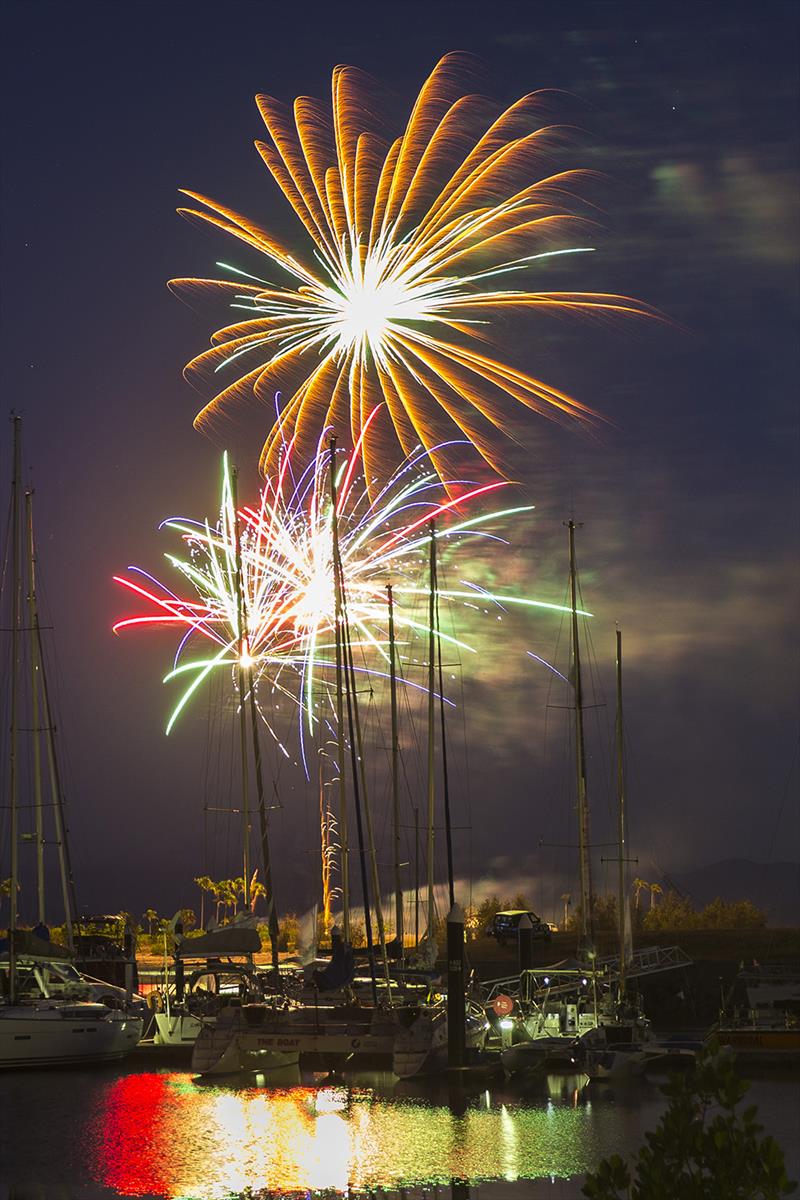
x=703 y=1148
x=288 y=931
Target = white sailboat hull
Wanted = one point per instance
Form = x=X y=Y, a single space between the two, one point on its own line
x=55 y=1035
x=422 y=1047
x=177 y=1029
x=277 y=1040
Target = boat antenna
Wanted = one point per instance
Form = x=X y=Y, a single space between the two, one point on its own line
x=584 y=850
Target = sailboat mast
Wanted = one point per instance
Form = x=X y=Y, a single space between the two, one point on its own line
x=416 y=874
x=621 y=840
x=431 y=735
x=448 y=825
x=14 y=783
x=326 y=850
x=398 y=887
x=37 y=756
x=68 y=894
x=339 y=699
x=366 y=807
x=585 y=864
x=356 y=771
x=244 y=656
x=266 y=856
x=39 y=681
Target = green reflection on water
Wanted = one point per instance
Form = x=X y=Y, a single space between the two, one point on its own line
x=160 y=1134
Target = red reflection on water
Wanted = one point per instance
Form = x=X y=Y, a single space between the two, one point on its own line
x=134 y=1123
x=161 y=1134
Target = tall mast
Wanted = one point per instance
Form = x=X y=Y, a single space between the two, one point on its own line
x=15 y=627
x=39 y=684
x=266 y=857
x=358 y=771
x=326 y=850
x=37 y=757
x=339 y=698
x=448 y=827
x=585 y=862
x=621 y=840
x=68 y=894
x=243 y=673
x=367 y=808
x=431 y=736
x=356 y=767
x=416 y=874
x=398 y=887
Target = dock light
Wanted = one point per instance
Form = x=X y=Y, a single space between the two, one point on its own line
x=547 y=981
x=584 y=981
x=506 y=1023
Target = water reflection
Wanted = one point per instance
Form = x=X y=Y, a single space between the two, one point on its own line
x=160 y=1134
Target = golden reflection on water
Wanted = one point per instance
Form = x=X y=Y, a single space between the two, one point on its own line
x=162 y=1134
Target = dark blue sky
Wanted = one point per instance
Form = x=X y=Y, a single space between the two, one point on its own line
x=689 y=502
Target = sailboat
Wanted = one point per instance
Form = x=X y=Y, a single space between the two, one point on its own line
x=571 y=1013
x=47 y=1015
x=559 y=1004
x=216 y=971
x=623 y=1045
x=327 y=1024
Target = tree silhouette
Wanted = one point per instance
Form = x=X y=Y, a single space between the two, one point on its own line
x=639 y=885
x=703 y=1148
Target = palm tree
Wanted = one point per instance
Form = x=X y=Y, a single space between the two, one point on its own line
x=257 y=890
x=218 y=896
x=226 y=897
x=639 y=884
x=206 y=884
x=188 y=918
x=655 y=890
x=150 y=915
x=237 y=891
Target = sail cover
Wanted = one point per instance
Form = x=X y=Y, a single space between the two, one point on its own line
x=228 y=939
x=28 y=945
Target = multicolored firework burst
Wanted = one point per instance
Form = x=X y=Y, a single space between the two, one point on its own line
x=415 y=244
x=263 y=576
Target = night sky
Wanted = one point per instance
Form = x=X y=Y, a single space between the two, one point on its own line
x=688 y=498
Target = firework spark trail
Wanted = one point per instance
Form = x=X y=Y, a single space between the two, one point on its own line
x=286 y=548
x=414 y=245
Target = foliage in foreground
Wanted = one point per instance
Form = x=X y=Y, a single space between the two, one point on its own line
x=703 y=1148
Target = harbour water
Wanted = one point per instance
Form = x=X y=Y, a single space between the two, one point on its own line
x=146 y=1129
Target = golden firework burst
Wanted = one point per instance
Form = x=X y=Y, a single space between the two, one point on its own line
x=414 y=244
